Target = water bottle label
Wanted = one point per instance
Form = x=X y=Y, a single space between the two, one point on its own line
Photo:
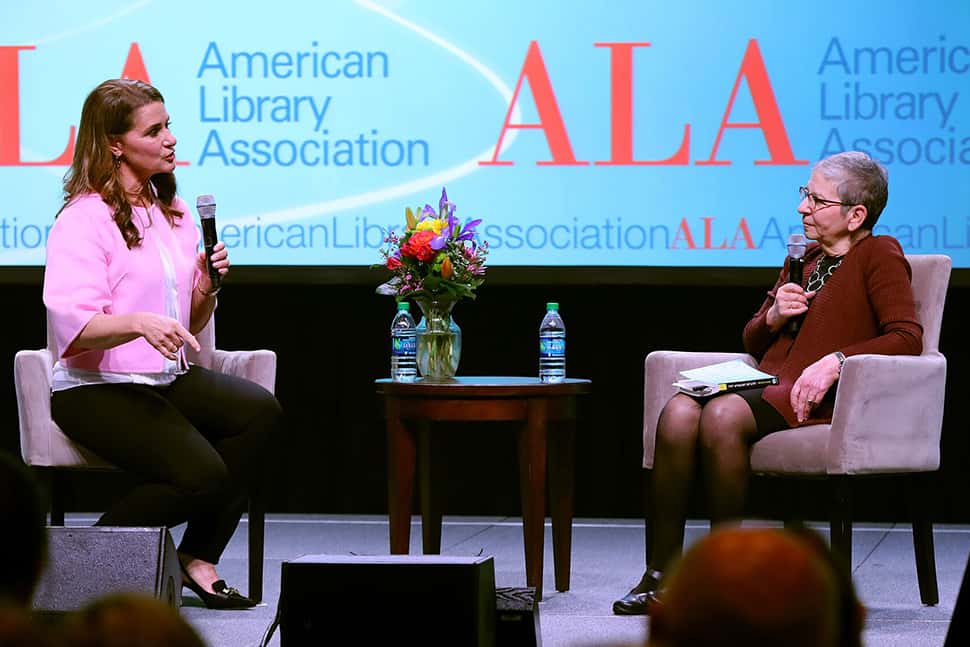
x=404 y=345
x=552 y=347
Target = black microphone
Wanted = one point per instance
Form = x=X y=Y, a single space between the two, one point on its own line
x=206 y=206
x=796 y=265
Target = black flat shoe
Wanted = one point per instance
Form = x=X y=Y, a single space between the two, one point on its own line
x=224 y=597
x=636 y=604
x=641 y=597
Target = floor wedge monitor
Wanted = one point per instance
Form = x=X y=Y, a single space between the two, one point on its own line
x=388 y=599
x=87 y=563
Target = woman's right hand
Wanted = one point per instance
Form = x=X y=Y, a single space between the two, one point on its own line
x=165 y=334
x=790 y=301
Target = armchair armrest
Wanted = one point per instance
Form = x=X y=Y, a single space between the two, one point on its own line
x=32 y=380
x=888 y=414
x=258 y=366
x=661 y=369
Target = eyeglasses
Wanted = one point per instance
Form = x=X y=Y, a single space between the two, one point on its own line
x=816 y=201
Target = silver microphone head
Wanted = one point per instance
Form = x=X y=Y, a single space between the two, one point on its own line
x=206 y=206
x=796 y=245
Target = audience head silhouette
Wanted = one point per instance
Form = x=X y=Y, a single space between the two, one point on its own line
x=129 y=620
x=19 y=629
x=23 y=519
x=758 y=588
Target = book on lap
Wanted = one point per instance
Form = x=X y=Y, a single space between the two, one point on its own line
x=722 y=378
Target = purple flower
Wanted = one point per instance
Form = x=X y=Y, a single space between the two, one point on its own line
x=444 y=206
x=468 y=230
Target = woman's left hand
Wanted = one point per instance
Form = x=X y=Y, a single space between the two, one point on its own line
x=220 y=261
x=812 y=385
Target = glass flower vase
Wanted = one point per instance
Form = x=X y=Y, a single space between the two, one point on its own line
x=439 y=340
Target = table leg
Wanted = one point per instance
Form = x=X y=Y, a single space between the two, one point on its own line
x=427 y=477
x=561 y=461
x=532 y=490
x=400 y=482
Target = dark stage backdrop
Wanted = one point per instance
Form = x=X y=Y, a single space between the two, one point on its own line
x=332 y=342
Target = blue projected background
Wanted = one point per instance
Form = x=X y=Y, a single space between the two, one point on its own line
x=315 y=123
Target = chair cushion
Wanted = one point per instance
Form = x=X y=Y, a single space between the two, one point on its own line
x=802 y=450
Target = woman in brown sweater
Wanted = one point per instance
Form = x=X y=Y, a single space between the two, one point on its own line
x=857 y=299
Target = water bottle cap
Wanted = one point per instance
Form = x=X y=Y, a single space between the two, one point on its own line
x=403 y=306
x=552 y=306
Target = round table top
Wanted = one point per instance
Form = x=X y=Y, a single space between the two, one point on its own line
x=487 y=385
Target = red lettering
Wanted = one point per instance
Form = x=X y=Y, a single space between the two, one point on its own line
x=707 y=235
x=550 y=120
x=621 y=112
x=769 y=116
x=743 y=232
x=10 y=113
x=687 y=236
x=135 y=65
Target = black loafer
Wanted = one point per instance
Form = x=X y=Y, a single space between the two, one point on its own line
x=641 y=597
x=222 y=596
x=636 y=604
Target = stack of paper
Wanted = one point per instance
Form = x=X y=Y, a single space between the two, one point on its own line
x=723 y=377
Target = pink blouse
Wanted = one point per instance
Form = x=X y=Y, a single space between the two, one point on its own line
x=90 y=270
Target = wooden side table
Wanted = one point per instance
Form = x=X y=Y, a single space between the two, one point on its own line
x=411 y=408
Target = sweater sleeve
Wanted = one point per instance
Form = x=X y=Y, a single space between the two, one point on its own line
x=76 y=285
x=757 y=336
x=889 y=288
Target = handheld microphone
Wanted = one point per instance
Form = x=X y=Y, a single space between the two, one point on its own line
x=796 y=265
x=206 y=206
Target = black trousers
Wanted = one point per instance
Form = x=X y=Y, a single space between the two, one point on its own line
x=197 y=448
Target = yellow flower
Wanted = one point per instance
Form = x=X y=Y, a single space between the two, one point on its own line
x=432 y=224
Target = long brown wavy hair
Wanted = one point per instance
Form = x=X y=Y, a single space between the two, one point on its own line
x=108 y=113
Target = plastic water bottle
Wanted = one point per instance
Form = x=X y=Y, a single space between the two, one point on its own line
x=404 y=345
x=552 y=346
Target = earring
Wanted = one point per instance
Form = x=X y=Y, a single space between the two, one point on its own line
x=117 y=160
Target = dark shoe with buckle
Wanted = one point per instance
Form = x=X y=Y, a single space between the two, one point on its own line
x=221 y=596
x=642 y=597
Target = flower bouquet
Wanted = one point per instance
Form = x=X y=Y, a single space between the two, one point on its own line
x=436 y=262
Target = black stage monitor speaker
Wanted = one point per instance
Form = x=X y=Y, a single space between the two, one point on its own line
x=517 y=618
x=388 y=599
x=87 y=563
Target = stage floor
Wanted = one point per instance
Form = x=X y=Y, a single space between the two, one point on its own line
x=607 y=559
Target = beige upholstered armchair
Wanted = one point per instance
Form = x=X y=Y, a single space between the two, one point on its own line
x=45 y=447
x=888 y=419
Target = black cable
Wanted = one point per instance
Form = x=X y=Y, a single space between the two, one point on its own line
x=273 y=625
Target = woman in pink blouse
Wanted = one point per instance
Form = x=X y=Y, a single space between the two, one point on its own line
x=126 y=288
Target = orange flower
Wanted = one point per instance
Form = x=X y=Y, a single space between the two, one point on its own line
x=447 y=269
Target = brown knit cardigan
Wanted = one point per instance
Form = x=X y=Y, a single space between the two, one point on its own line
x=866 y=306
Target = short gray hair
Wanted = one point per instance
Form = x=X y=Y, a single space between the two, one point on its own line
x=860 y=180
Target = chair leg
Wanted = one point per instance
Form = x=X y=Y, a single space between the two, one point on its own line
x=792 y=517
x=841 y=520
x=56 y=485
x=916 y=496
x=257 y=524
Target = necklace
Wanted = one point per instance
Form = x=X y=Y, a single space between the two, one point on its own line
x=825 y=268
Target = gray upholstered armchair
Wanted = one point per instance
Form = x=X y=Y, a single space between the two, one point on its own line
x=45 y=447
x=888 y=419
